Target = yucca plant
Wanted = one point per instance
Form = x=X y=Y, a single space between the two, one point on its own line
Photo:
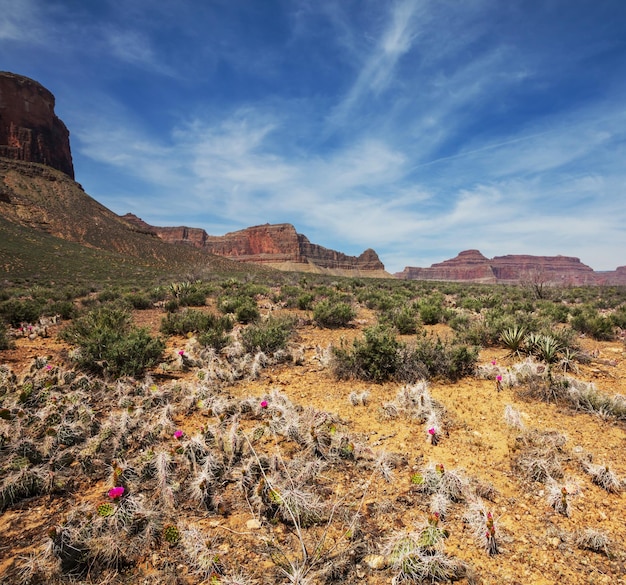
x=547 y=349
x=513 y=340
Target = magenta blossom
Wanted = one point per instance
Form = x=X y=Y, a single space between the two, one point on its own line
x=264 y=404
x=432 y=431
x=48 y=367
x=178 y=434
x=499 y=378
x=493 y=362
x=181 y=352
x=116 y=492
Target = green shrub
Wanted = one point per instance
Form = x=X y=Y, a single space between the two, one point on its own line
x=191 y=321
x=331 y=314
x=375 y=358
x=110 y=344
x=5 y=342
x=217 y=338
x=242 y=306
x=65 y=309
x=404 y=319
x=305 y=301
x=289 y=295
x=267 y=336
x=431 y=314
x=17 y=311
x=591 y=323
x=138 y=301
x=433 y=357
x=247 y=312
x=193 y=297
x=618 y=318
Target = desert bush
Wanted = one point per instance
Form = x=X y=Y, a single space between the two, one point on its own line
x=373 y=358
x=110 y=344
x=138 y=301
x=618 y=317
x=186 y=321
x=211 y=330
x=65 y=309
x=267 y=336
x=437 y=358
x=403 y=319
x=331 y=314
x=243 y=307
x=17 y=311
x=431 y=312
x=5 y=342
x=590 y=322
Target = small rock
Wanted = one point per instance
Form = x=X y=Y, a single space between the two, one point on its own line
x=376 y=562
x=253 y=524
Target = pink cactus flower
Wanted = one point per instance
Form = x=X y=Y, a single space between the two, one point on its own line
x=432 y=431
x=493 y=362
x=181 y=352
x=499 y=378
x=264 y=404
x=48 y=367
x=116 y=492
x=178 y=434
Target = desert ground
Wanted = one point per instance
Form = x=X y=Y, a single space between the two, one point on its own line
x=537 y=544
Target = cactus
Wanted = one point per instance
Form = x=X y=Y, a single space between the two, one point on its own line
x=171 y=533
x=106 y=510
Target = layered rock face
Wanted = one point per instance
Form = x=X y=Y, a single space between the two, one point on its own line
x=472 y=266
x=278 y=245
x=468 y=266
x=29 y=129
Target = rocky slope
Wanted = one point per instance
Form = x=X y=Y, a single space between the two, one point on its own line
x=277 y=245
x=472 y=266
x=47 y=201
x=29 y=129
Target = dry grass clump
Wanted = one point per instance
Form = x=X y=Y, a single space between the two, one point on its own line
x=593 y=540
x=604 y=476
x=538 y=455
x=418 y=557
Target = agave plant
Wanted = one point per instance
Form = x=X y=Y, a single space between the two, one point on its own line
x=513 y=339
x=547 y=349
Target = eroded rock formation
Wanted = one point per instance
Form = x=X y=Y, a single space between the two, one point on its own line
x=277 y=245
x=30 y=131
x=472 y=266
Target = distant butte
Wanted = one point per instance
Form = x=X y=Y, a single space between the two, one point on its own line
x=472 y=266
x=275 y=245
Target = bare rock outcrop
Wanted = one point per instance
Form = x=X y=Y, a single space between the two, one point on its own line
x=468 y=266
x=472 y=266
x=276 y=245
x=30 y=131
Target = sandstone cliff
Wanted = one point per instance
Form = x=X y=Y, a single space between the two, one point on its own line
x=276 y=245
x=472 y=266
x=29 y=129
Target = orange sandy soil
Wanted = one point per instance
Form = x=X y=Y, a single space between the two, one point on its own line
x=537 y=544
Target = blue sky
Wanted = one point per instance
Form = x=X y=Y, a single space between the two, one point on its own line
x=419 y=128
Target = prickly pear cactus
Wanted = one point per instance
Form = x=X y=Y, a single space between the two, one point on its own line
x=106 y=510
x=171 y=534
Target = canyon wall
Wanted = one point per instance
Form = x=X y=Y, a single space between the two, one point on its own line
x=472 y=266
x=29 y=129
x=276 y=245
